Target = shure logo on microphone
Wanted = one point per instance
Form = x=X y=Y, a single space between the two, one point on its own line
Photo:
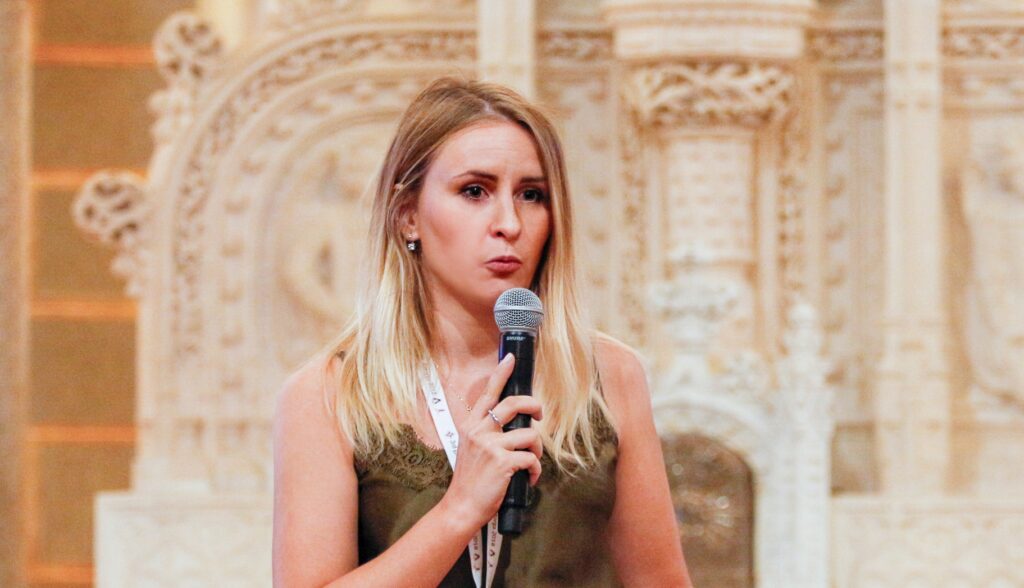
x=515 y=337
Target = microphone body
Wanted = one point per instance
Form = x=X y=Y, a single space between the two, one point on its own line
x=521 y=345
x=518 y=313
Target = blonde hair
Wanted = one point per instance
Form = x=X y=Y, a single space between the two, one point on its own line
x=387 y=341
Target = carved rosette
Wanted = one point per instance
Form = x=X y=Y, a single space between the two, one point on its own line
x=112 y=208
x=187 y=52
x=731 y=93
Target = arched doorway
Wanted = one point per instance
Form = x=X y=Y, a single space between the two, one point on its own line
x=713 y=496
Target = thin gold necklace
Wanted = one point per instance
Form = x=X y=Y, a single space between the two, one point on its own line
x=445 y=389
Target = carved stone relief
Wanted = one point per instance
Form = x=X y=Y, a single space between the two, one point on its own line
x=993 y=208
x=853 y=234
x=711 y=93
x=112 y=209
x=948 y=542
x=574 y=81
x=318 y=237
x=313 y=58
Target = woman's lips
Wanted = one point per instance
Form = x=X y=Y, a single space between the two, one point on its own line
x=503 y=266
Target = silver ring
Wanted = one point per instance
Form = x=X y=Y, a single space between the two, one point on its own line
x=494 y=417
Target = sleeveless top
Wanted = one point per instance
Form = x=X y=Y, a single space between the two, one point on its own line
x=563 y=542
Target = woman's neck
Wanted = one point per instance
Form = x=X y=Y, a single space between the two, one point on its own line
x=464 y=338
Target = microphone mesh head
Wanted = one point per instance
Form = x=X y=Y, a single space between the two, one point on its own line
x=518 y=309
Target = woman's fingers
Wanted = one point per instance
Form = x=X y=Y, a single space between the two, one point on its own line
x=525 y=460
x=494 y=386
x=507 y=409
x=523 y=439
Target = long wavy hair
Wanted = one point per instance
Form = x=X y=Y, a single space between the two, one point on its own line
x=384 y=346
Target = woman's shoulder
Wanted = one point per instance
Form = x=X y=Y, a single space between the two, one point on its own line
x=304 y=401
x=617 y=363
x=308 y=381
x=623 y=377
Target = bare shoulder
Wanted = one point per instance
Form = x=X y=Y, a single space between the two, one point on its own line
x=303 y=402
x=623 y=384
x=620 y=367
x=304 y=383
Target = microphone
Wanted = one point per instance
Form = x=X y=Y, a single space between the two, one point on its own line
x=518 y=313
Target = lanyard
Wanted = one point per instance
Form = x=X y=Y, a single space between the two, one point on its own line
x=449 y=436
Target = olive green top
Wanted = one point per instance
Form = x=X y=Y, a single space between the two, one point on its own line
x=563 y=541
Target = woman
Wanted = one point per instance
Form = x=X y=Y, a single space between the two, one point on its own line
x=471 y=200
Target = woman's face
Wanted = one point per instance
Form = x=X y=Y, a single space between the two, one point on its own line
x=482 y=215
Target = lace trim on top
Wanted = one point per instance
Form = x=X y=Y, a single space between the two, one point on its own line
x=417 y=465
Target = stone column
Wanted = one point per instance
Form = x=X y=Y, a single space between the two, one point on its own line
x=15 y=68
x=912 y=396
x=704 y=82
x=506 y=43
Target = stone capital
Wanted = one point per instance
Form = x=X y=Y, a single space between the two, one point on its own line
x=731 y=93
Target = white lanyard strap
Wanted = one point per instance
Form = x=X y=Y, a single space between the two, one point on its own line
x=449 y=436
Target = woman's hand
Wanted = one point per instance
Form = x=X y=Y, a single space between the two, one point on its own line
x=487 y=456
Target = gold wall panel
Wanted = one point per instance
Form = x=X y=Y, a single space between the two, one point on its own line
x=69 y=476
x=65 y=262
x=92 y=117
x=106 y=21
x=82 y=372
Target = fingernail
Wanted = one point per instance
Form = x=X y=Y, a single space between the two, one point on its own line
x=507 y=358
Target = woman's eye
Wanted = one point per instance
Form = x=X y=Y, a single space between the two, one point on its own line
x=533 y=195
x=473 y=191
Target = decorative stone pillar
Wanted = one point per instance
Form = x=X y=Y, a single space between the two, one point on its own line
x=912 y=396
x=704 y=81
x=15 y=136
x=506 y=41
x=803 y=413
x=707 y=86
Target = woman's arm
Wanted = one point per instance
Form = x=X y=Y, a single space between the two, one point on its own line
x=316 y=506
x=316 y=492
x=643 y=536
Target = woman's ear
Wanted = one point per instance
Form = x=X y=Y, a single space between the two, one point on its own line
x=407 y=221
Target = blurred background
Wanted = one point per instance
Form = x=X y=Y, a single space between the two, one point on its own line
x=806 y=214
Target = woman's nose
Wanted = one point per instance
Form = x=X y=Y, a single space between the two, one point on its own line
x=506 y=221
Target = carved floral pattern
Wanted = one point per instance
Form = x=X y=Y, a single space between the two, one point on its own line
x=632 y=187
x=730 y=93
x=792 y=204
x=187 y=52
x=112 y=209
x=993 y=209
x=575 y=45
x=983 y=44
x=846 y=44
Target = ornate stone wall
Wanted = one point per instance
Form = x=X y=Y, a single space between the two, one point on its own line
x=742 y=168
